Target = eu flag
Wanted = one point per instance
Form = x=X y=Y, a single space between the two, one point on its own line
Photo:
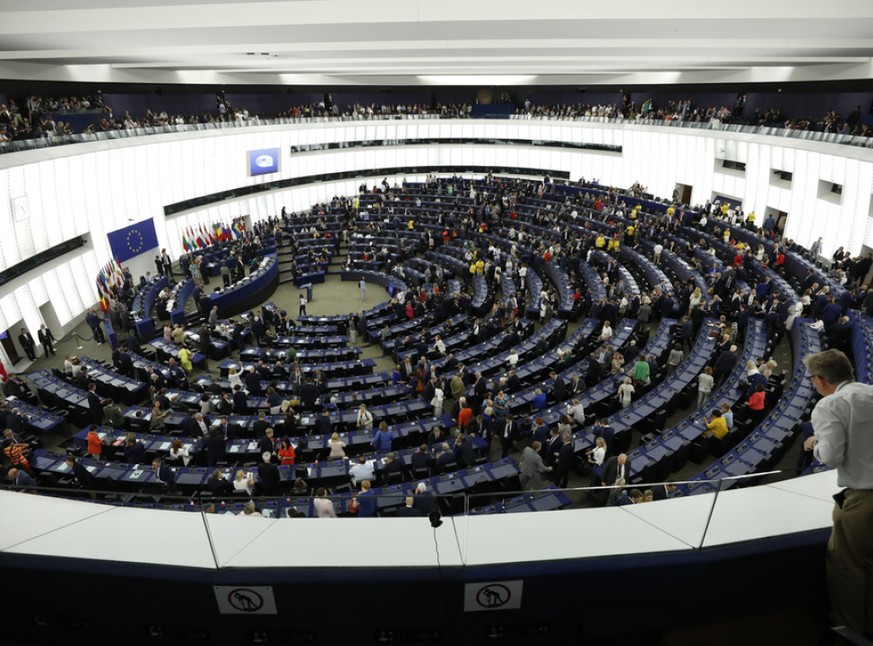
x=133 y=240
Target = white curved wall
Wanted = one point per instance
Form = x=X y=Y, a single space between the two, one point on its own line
x=50 y=195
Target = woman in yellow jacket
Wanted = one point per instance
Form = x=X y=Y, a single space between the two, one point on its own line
x=599 y=242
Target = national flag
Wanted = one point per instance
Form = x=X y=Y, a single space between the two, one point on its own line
x=199 y=239
x=228 y=234
x=104 y=304
x=185 y=244
x=238 y=229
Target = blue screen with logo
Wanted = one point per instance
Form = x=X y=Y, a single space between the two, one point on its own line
x=263 y=161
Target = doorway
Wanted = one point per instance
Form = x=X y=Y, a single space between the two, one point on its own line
x=8 y=346
x=682 y=193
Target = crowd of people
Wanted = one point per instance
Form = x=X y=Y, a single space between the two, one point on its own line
x=36 y=117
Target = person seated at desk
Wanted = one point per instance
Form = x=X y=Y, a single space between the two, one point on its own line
x=81 y=380
x=409 y=509
x=179 y=453
x=218 y=484
x=134 y=450
x=424 y=500
x=95 y=443
x=336 y=446
x=362 y=470
x=159 y=414
x=390 y=466
x=113 y=414
x=178 y=378
x=243 y=481
x=422 y=460
x=716 y=425
x=446 y=460
x=269 y=478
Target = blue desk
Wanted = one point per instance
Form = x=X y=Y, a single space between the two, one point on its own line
x=248 y=292
x=143 y=303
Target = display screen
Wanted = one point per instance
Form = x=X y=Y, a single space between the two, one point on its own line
x=263 y=161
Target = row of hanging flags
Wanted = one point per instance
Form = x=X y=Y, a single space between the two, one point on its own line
x=199 y=237
x=109 y=276
x=202 y=236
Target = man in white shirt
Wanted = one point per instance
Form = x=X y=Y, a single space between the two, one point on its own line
x=513 y=358
x=363 y=470
x=843 y=439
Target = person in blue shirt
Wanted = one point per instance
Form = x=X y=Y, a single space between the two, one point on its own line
x=366 y=501
x=383 y=438
x=539 y=401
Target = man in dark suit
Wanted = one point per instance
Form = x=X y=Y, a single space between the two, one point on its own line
x=408 y=509
x=618 y=466
x=163 y=473
x=259 y=428
x=566 y=457
x=215 y=448
x=308 y=394
x=422 y=461
x=268 y=477
x=123 y=361
x=509 y=432
x=391 y=466
x=95 y=405
x=559 y=388
x=26 y=341
x=240 y=401
x=219 y=485
x=576 y=385
x=552 y=448
x=323 y=425
x=266 y=443
x=225 y=429
x=446 y=460
x=46 y=338
x=85 y=478
x=464 y=451
x=134 y=450
x=259 y=327
x=253 y=382
x=724 y=364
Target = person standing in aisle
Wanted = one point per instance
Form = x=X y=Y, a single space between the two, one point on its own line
x=842 y=423
x=362 y=284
